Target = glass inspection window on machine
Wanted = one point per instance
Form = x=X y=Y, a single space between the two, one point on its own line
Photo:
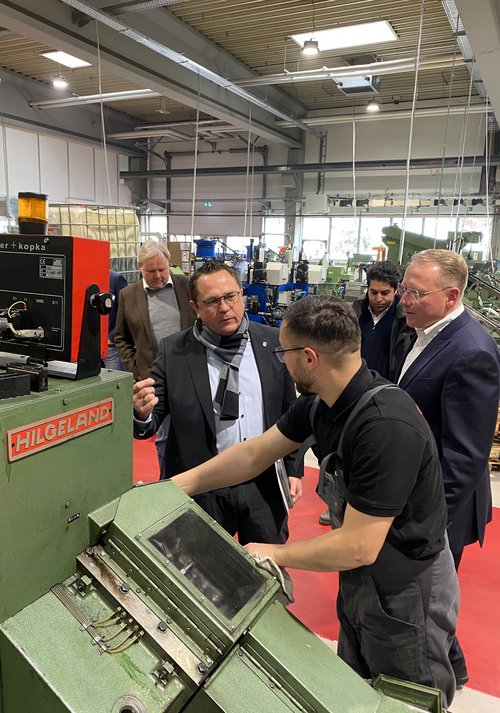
x=217 y=570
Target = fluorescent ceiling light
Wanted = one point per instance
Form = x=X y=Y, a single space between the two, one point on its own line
x=365 y=33
x=66 y=59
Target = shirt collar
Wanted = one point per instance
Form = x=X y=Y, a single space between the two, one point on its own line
x=151 y=289
x=427 y=334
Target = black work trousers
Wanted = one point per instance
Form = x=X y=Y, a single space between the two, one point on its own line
x=399 y=624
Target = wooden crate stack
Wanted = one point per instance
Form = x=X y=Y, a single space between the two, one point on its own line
x=495 y=448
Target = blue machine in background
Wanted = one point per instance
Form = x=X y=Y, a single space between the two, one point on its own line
x=270 y=282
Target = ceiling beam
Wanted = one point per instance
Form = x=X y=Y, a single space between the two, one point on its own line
x=481 y=20
x=52 y=23
x=327 y=167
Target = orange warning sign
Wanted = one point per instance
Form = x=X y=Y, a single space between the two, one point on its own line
x=38 y=436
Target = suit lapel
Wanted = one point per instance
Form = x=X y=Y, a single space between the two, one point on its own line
x=440 y=342
x=263 y=353
x=141 y=303
x=197 y=364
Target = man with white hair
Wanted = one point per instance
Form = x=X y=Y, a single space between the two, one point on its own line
x=453 y=374
x=152 y=308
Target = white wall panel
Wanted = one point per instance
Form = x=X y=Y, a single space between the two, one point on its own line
x=388 y=139
x=54 y=170
x=81 y=172
x=22 y=161
x=3 y=164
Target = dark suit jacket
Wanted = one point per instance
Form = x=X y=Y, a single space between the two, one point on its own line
x=133 y=334
x=455 y=382
x=183 y=390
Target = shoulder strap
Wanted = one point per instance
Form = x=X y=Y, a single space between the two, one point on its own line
x=358 y=406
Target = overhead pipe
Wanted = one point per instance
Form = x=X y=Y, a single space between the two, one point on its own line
x=392 y=114
x=392 y=66
x=330 y=167
x=95 y=99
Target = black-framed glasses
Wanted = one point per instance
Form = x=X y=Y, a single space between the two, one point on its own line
x=213 y=302
x=279 y=351
x=415 y=295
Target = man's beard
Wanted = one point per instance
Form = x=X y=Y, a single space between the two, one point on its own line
x=304 y=386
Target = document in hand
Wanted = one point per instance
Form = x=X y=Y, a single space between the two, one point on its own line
x=283 y=483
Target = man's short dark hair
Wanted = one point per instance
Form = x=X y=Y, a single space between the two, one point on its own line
x=384 y=271
x=208 y=268
x=324 y=321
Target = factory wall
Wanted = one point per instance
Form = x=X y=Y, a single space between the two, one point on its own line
x=66 y=170
x=226 y=193
x=387 y=139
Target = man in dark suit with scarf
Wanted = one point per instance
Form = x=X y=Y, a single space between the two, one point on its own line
x=221 y=384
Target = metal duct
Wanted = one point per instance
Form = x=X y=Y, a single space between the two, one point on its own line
x=464 y=44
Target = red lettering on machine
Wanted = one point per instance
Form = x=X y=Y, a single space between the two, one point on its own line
x=38 y=436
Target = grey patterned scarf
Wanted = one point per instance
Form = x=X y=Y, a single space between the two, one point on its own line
x=230 y=349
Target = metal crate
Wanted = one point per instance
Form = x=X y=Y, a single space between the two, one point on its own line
x=118 y=225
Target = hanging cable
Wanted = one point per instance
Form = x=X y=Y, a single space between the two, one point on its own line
x=252 y=177
x=412 y=118
x=476 y=150
x=487 y=180
x=247 y=184
x=445 y=143
x=354 y=166
x=5 y=166
x=101 y=105
x=462 y=154
x=195 y=167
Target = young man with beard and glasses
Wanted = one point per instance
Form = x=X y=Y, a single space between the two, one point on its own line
x=220 y=384
x=398 y=589
x=453 y=374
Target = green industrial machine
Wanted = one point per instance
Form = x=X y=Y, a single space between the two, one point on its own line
x=117 y=599
x=481 y=298
x=413 y=243
x=121 y=600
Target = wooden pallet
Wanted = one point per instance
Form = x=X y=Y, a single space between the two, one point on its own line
x=494 y=463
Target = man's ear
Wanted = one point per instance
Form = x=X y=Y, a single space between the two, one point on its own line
x=194 y=305
x=454 y=294
x=312 y=357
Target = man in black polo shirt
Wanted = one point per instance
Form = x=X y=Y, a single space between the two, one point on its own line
x=398 y=593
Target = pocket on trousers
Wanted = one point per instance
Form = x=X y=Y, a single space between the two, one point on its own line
x=390 y=632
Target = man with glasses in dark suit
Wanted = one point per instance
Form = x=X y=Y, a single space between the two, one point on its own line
x=453 y=374
x=221 y=384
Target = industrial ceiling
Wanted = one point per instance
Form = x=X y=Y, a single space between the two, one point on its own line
x=232 y=65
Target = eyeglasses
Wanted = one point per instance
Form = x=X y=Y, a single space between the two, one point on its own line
x=415 y=295
x=279 y=351
x=213 y=303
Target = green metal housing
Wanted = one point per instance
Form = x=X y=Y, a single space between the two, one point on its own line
x=121 y=600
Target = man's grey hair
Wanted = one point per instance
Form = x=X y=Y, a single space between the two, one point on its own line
x=452 y=266
x=151 y=249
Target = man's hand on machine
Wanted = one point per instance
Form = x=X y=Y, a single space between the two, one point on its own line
x=262 y=550
x=144 y=398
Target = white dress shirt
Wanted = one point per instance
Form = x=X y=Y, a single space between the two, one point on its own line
x=250 y=422
x=425 y=337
